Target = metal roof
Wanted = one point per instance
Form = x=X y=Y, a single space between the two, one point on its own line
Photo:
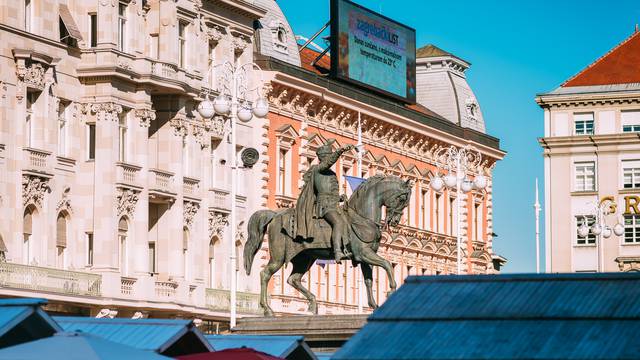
x=549 y=316
x=275 y=345
x=23 y=320
x=75 y=346
x=145 y=334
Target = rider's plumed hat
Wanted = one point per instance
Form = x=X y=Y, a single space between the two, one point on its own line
x=326 y=148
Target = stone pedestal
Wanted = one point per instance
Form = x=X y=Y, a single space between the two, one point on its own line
x=323 y=333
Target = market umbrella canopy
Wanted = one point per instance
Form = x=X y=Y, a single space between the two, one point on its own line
x=231 y=354
x=75 y=346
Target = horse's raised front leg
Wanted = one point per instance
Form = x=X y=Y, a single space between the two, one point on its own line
x=302 y=264
x=371 y=258
x=367 y=274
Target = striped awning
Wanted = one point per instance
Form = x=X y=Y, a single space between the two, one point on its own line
x=69 y=23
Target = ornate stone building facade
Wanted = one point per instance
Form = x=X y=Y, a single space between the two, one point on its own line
x=114 y=192
x=592 y=153
x=308 y=109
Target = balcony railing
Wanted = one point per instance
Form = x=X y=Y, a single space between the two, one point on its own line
x=66 y=282
x=220 y=199
x=127 y=174
x=161 y=184
x=127 y=286
x=38 y=159
x=166 y=290
x=190 y=186
x=219 y=300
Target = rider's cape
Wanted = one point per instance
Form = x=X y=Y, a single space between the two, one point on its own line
x=305 y=207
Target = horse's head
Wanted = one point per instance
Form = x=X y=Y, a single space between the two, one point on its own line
x=396 y=200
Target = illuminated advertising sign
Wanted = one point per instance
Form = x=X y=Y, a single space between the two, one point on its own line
x=373 y=51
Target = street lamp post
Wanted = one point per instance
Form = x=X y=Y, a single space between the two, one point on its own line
x=600 y=229
x=232 y=100
x=458 y=162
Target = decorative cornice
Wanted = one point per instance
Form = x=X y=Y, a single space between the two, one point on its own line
x=106 y=111
x=34 y=189
x=126 y=200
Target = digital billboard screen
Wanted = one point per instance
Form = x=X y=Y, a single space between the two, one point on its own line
x=371 y=50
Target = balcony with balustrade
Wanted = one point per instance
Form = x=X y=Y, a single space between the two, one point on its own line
x=161 y=186
x=127 y=175
x=220 y=200
x=37 y=162
x=191 y=188
x=219 y=300
x=19 y=278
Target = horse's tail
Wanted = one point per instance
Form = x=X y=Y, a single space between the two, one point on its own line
x=256 y=228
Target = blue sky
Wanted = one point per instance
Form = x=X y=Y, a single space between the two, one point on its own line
x=517 y=49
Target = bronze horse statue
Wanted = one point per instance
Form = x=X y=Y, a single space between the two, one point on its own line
x=363 y=209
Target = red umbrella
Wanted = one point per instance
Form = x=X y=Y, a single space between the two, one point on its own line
x=230 y=354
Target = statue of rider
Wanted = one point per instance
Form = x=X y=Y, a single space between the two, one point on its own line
x=320 y=198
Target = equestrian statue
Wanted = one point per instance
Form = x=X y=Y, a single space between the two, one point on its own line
x=320 y=227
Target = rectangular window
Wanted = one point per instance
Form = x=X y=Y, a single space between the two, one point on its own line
x=93 y=30
x=122 y=137
x=90 y=249
x=62 y=129
x=590 y=238
x=28 y=14
x=211 y=66
x=154 y=46
x=452 y=203
x=437 y=212
x=26 y=248
x=631 y=174
x=60 y=254
x=122 y=26
x=152 y=257
x=585 y=176
x=424 y=201
x=583 y=124
x=182 y=43
x=630 y=121
x=91 y=141
x=632 y=229
x=30 y=118
x=282 y=171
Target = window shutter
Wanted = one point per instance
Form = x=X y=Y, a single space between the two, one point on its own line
x=185 y=239
x=211 y=248
x=61 y=231
x=28 y=223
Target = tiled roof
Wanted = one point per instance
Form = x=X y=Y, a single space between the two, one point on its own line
x=621 y=65
x=431 y=51
x=321 y=67
x=548 y=316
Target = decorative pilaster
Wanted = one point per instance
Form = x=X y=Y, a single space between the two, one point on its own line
x=146 y=116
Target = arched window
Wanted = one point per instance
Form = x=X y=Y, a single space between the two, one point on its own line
x=3 y=250
x=185 y=252
x=61 y=240
x=212 y=264
x=27 y=235
x=123 y=231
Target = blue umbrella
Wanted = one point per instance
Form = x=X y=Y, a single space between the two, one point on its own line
x=75 y=346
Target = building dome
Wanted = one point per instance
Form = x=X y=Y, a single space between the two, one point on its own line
x=442 y=87
x=274 y=36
